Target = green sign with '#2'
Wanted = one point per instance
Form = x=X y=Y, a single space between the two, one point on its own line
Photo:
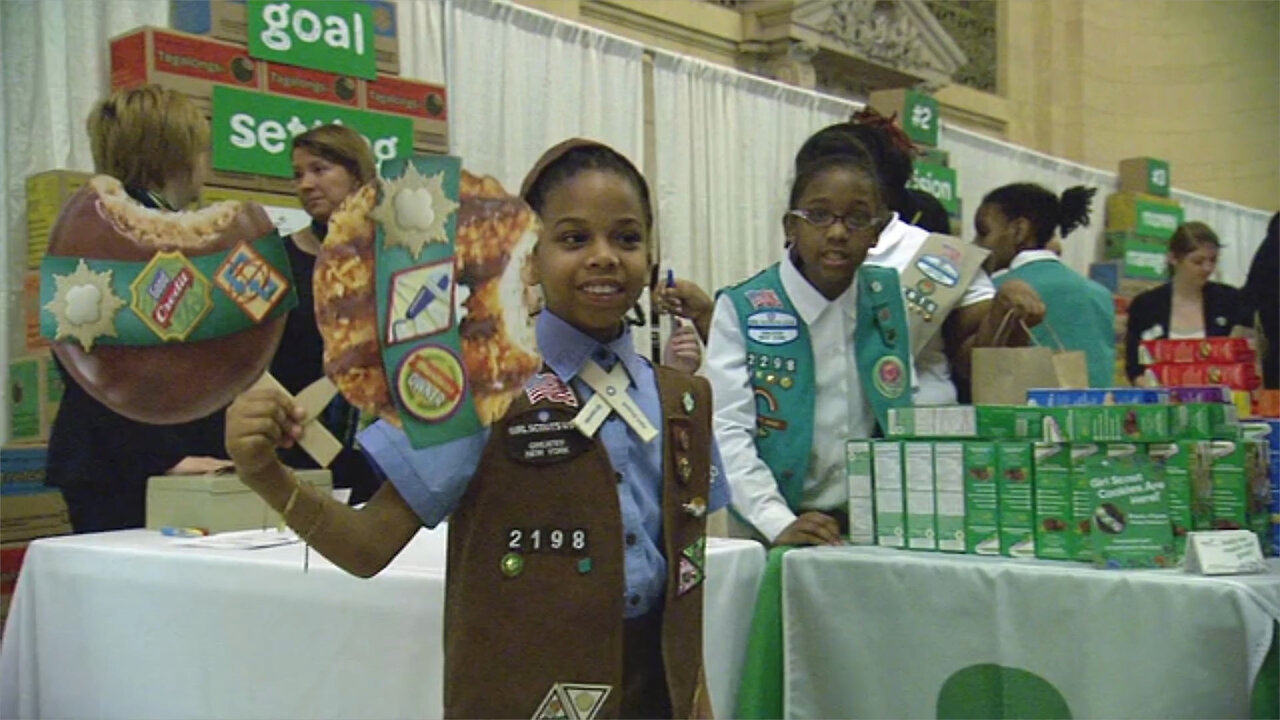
x=334 y=35
x=920 y=118
x=252 y=131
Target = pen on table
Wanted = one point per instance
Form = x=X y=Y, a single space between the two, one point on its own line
x=183 y=532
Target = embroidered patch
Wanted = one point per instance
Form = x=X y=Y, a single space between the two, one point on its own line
x=543 y=436
x=84 y=305
x=512 y=565
x=572 y=701
x=250 y=281
x=690 y=576
x=926 y=287
x=170 y=296
x=430 y=383
x=696 y=551
x=686 y=400
x=772 y=327
x=763 y=299
x=939 y=269
x=420 y=302
x=550 y=388
x=889 y=376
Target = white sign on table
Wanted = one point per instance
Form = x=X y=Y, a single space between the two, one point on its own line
x=1224 y=552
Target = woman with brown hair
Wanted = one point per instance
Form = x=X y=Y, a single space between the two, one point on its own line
x=1190 y=305
x=329 y=163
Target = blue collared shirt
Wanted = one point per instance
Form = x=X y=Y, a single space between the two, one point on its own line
x=433 y=479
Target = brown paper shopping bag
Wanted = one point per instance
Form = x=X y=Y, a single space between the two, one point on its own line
x=1002 y=375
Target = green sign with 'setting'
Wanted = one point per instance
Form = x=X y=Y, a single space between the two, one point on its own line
x=252 y=131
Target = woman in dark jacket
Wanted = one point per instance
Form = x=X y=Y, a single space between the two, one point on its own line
x=1189 y=305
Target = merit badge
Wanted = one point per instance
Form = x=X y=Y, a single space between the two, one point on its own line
x=939 y=269
x=763 y=299
x=687 y=401
x=421 y=302
x=584 y=566
x=430 y=383
x=549 y=388
x=543 y=436
x=250 y=281
x=680 y=436
x=692 y=562
x=889 y=376
x=170 y=296
x=414 y=210
x=572 y=701
x=772 y=327
x=84 y=305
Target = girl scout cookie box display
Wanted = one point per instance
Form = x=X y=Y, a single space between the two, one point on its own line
x=164 y=317
x=422 y=302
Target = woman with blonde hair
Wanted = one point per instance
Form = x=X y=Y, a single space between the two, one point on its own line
x=156 y=143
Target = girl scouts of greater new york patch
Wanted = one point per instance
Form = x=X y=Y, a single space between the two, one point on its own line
x=543 y=436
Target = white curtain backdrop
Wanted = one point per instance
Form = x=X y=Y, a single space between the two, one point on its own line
x=984 y=164
x=521 y=81
x=52 y=69
x=726 y=144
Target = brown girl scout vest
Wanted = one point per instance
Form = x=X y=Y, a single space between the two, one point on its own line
x=535 y=574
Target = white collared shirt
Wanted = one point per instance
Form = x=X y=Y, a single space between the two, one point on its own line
x=839 y=410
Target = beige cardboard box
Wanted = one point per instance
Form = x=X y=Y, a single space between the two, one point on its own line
x=35 y=391
x=47 y=192
x=227 y=20
x=216 y=503
x=284 y=209
x=30 y=515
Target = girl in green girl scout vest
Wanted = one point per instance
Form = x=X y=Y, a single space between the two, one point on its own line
x=576 y=554
x=815 y=349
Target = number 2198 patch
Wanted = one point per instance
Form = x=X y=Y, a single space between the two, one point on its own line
x=547 y=540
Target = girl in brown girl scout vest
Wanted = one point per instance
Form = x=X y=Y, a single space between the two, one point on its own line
x=577 y=522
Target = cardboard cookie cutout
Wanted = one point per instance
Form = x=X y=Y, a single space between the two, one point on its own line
x=164 y=317
x=422 y=300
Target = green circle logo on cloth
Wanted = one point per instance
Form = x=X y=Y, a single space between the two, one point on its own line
x=889 y=376
x=995 y=691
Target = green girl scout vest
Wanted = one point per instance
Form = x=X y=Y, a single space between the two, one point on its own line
x=780 y=364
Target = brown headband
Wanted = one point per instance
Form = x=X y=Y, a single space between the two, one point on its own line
x=549 y=158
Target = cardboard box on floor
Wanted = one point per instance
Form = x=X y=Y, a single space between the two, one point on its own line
x=217 y=503
x=1145 y=175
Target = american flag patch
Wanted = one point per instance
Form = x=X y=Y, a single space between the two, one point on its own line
x=548 y=387
x=763 y=299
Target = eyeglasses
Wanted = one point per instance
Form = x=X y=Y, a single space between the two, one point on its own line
x=825 y=219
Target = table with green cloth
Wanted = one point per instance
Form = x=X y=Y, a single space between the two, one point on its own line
x=869 y=632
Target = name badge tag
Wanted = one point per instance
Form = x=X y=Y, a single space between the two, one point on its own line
x=543 y=437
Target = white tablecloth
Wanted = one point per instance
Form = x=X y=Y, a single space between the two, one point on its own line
x=126 y=625
x=874 y=633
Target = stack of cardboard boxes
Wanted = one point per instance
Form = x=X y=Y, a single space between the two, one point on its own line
x=1140 y=220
